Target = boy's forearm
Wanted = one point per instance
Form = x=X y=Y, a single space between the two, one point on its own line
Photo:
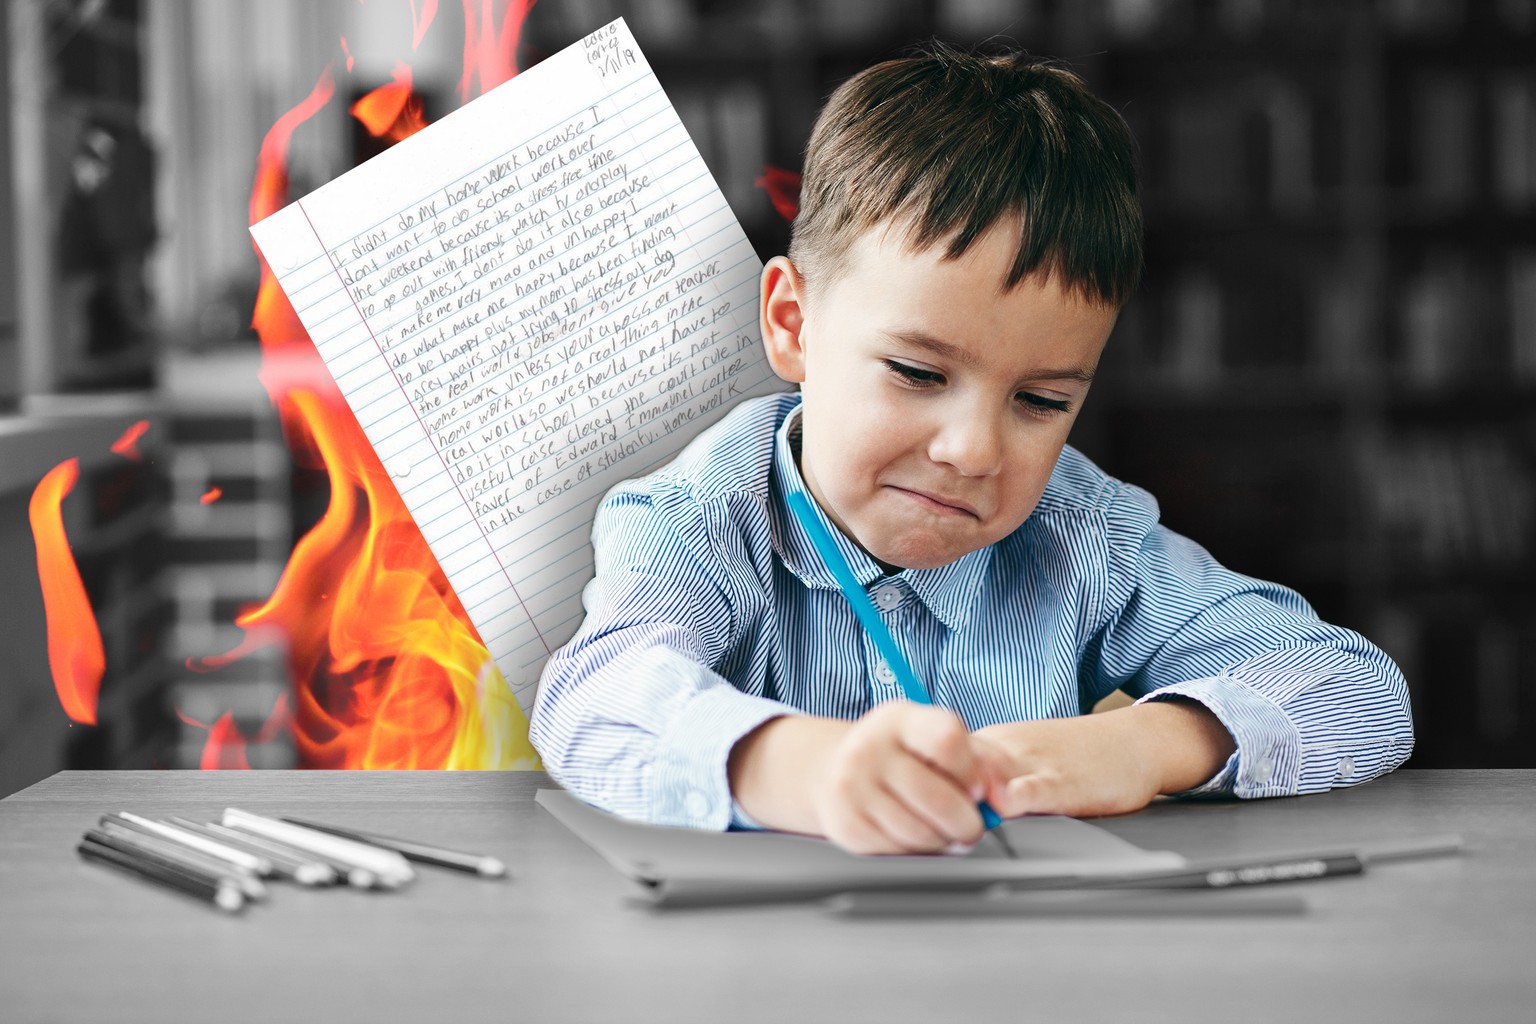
x=1182 y=739
x=1116 y=760
x=771 y=769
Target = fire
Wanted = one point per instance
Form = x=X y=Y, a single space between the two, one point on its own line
x=421 y=21
x=75 y=653
x=128 y=444
x=490 y=57
x=211 y=495
x=392 y=111
x=783 y=188
x=226 y=744
x=388 y=670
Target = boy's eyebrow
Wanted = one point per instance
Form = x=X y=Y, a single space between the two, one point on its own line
x=955 y=353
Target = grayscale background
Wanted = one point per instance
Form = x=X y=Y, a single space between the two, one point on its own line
x=1328 y=376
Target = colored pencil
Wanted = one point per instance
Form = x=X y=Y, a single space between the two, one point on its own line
x=488 y=867
x=104 y=849
x=864 y=608
x=390 y=869
x=242 y=859
x=287 y=862
x=1058 y=904
x=146 y=840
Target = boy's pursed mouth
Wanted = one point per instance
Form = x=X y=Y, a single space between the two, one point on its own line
x=939 y=502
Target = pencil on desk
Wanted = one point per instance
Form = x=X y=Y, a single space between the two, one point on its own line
x=1210 y=873
x=488 y=867
x=1058 y=904
x=287 y=862
x=1236 y=875
x=389 y=869
x=339 y=870
x=242 y=859
x=147 y=841
x=218 y=890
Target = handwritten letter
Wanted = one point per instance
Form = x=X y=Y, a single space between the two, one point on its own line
x=540 y=295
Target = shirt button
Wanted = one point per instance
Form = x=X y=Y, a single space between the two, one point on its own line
x=887 y=598
x=1263 y=769
x=884 y=674
x=697 y=804
x=1346 y=767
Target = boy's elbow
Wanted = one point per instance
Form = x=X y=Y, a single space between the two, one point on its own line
x=555 y=718
x=1392 y=721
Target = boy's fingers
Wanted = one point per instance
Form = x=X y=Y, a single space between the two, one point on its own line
x=882 y=825
x=907 y=829
x=1033 y=794
x=995 y=766
x=856 y=832
x=946 y=809
x=940 y=738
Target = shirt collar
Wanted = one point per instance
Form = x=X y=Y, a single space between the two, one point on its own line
x=950 y=592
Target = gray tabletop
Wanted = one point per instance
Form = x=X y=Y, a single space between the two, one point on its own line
x=564 y=938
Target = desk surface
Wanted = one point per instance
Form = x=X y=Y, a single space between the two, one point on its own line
x=1444 y=939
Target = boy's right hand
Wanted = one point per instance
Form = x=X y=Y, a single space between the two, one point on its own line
x=904 y=778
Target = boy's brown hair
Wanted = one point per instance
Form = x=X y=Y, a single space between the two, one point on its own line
x=946 y=144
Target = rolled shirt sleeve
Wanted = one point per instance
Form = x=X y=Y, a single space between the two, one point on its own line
x=629 y=716
x=1310 y=705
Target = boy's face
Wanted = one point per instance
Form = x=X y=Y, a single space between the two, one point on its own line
x=935 y=403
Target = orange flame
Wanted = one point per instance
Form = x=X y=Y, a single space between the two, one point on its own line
x=128 y=445
x=783 y=188
x=388 y=670
x=211 y=495
x=391 y=111
x=270 y=191
x=225 y=747
x=75 y=653
x=421 y=20
x=490 y=57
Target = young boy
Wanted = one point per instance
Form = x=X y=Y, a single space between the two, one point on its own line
x=969 y=229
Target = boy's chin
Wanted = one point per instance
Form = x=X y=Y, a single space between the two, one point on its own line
x=918 y=553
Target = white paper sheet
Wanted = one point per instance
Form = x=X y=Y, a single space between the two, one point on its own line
x=536 y=297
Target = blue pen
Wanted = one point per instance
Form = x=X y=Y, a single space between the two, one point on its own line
x=864 y=608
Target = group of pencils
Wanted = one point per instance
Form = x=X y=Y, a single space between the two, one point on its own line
x=228 y=863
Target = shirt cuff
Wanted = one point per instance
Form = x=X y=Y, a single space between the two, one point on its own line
x=741 y=821
x=1267 y=761
x=689 y=785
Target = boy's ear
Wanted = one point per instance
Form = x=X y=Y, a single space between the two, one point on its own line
x=783 y=318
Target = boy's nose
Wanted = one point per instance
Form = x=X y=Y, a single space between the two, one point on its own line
x=971 y=442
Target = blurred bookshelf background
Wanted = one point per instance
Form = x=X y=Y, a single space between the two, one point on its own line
x=1328 y=376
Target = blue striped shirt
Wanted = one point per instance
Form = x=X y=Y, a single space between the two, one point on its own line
x=710 y=613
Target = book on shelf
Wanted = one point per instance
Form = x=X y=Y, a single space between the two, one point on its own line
x=1520 y=290
x=1512 y=118
x=1444 y=141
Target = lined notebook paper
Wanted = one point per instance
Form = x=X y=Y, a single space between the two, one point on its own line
x=536 y=297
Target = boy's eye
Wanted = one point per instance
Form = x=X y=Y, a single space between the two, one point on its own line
x=915 y=376
x=1041 y=404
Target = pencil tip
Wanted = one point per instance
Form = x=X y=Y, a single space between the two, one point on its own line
x=490 y=867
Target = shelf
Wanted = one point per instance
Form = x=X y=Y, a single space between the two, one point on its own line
x=35 y=440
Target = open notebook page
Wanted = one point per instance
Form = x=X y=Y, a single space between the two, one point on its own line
x=536 y=297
